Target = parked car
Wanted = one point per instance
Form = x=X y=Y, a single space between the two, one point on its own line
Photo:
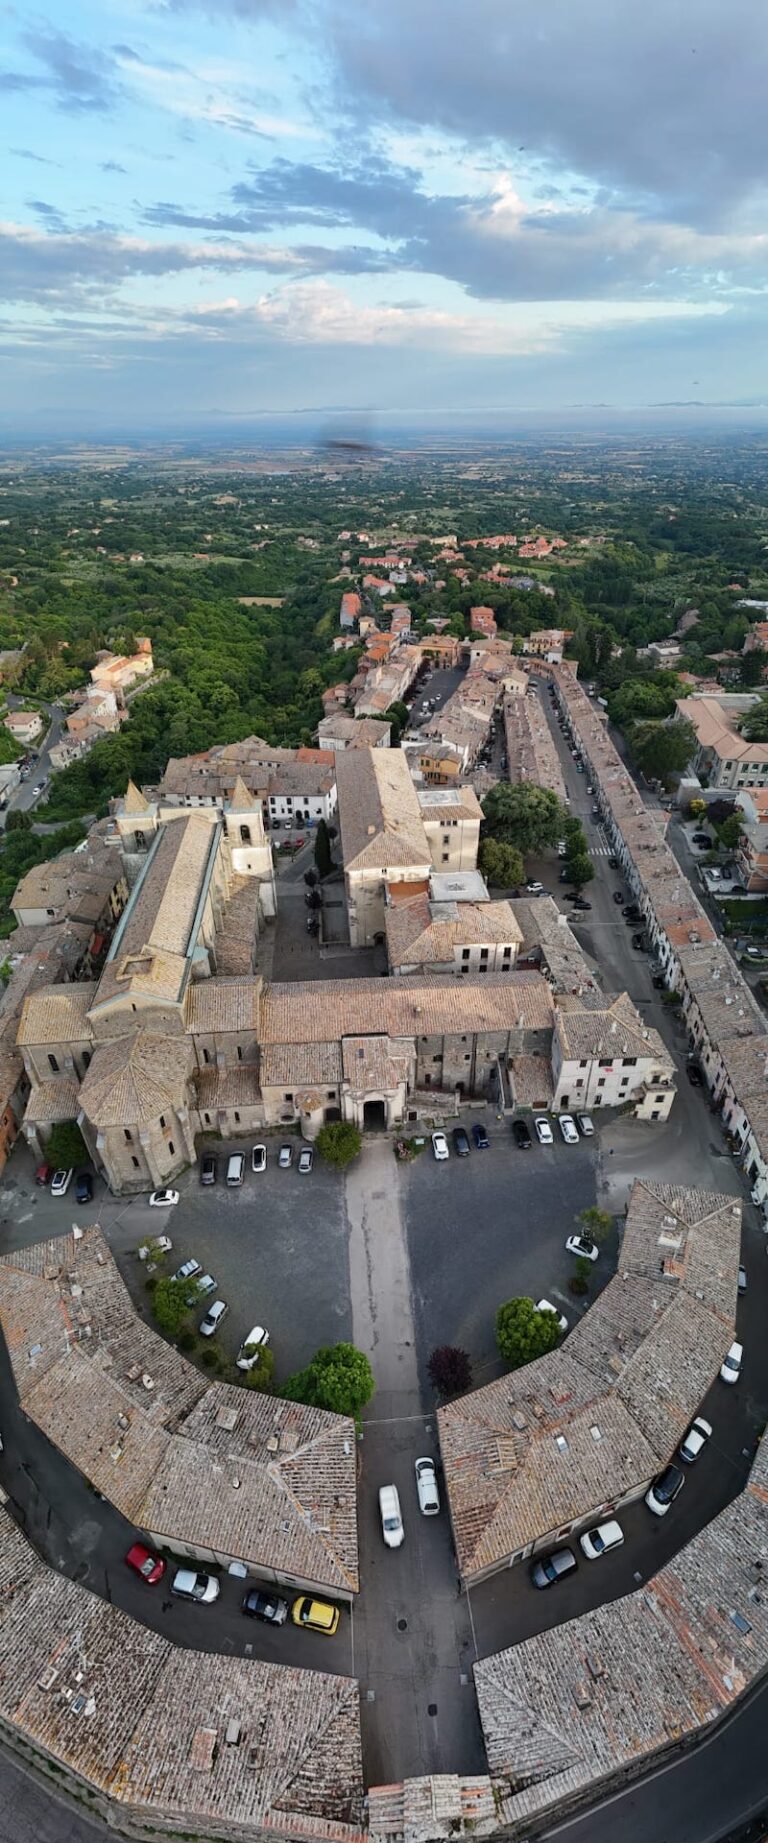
x=160 y=1244
x=440 y=1146
x=638 y=942
x=534 y=888
x=211 y=1321
x=84 y=1187
x=208 y=1168
x=664 y=1490
x=150 y=1567
x=521 y=1134
x=202 y=1289
x=188 y=1269
x=568 y=1129
x=187 y=1584
x=742 y=1279
x=544 y=1132
x=631 y=911
x=552 y=1568
x=315 y=1615
x=702 y=839
x=562 y=849
x=426 y=1486
x=259 y=1158
x=480 y=1137
x=618 y=897
x=43 y=1174
x=235 y=1169
x=582 y=1247
x=60 y=1183
x=545 y=1305
x=391 y=1519
x=285 y=1157
x=460 y=1142
x=580 y=902
x=585 y=1125
x=730 y=1368
x=251 y=1347
x=613 y=863
x=164 y=1199
x=598 y=1541
x=306 y=1160
x=694 y=1074
x=695 y=1440
x=262 y=1603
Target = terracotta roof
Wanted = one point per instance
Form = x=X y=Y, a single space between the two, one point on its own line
x=51 y=1101
x=375 y=1063
x=185 y=1439
x=419 y=931
x=379 y=815
x=135 y=1078
x=57 y=1014
x=596 y=1024
x=150 y=949
x=222 y=1004
x=306 y=1013
x=596 y=1418
x=295 y=1065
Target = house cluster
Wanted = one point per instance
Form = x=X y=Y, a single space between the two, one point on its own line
x=722 y=756
x=99 y=708
x=294 y=787
x=726 y=1029
x=530 y=748
x=465 y=720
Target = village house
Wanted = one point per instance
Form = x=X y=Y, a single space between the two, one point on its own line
x=117 y=673
x=24 y=726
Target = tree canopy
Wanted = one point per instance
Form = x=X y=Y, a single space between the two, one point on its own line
x=339 y=1378
x=525 y=816
x=501 y=865
x=523 y=1334
x=339 y=1142
x=663 y=750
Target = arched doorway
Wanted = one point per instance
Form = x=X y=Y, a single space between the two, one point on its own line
x=375 y=1116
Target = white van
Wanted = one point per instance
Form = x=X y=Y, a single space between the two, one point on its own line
x=391 y=1519
x=236 y=1168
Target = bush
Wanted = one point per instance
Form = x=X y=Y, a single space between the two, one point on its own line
x=261 y=1377
x=578 y=1285
x=339 y=1378
x=209 y=1357
x=66 y=1146
x=523 y=1334
x=169 y=1305
x=186 y=1339
x=596 y=1225
x=449 y=1370
x=339 y=1142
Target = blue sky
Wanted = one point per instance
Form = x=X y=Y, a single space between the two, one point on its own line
x=412 y=206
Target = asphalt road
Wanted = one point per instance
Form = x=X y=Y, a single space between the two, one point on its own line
x=24 y=797
x=440 y=687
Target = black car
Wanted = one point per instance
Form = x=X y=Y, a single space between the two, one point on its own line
x=266 y=1606
x=694 y=1074
x=480 y=1136
x=460 y=1142
x=703 y=839
x=521 y=1134
x=613 y=863
x=84 y=1187
x=659 y=981
x=618 y=897
x=638 y=942
x=565 y=875
x=631 y=911
x=580 y=902
x=208 y=1168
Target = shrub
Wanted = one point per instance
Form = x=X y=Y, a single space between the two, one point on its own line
x=522 y=1333
x=339 y=1142
x=209 y=1357
x=66 y=1146
x=449 y=1370
x=262 y=1376
x=339 y=1378
x=169 y=1304
x=595 y=1224
x=186 y=1339
x=578 y=1285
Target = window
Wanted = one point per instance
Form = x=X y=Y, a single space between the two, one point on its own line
x=583 y=1065
x=237 y=1117
x=445 y=857
x=465 y=953
x=287 y=1097
x=206 y=1057
x=330 y=1094
x=128 y=1135
x=239 y=1054
x=53 y=1064
x=135 y=1163
x=630 y=1062
x=86 y=1058
x=207 y=1119
x=601 y=1082
x=171 y=1147
x=162 y=1122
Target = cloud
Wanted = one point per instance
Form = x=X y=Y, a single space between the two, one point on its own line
x=27 y=153
x=111 y=166
x=82 y=77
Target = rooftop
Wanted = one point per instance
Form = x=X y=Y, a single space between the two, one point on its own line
x=423 y=930
x=379 y=814
x=150 y=952
x=409 y=1007
x=545 y=1445
x=161 y=1442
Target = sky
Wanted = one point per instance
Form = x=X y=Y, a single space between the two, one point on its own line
x=405 y=207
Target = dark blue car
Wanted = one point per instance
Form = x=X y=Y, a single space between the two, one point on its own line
x=480 y=1137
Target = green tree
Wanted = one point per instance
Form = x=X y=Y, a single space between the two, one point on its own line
x=323 y=858
x=522 y=1333
x=525 y=816
x=339 y=1378
x=662 y=750
x=729 y=832
x=580 y=1278
x=595 y=1224
x=170 y=1305
x=18 y=822
x=580 y=869
x=339 y=1142
x=754 y=725
x=262 y=1376
x=66 y=1146
x=752 y=667
x=501 y=865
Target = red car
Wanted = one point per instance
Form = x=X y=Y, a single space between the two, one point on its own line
x=43 y=1174
x=149 y=1566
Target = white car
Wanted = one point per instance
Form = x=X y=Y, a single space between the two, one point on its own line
x=163 y=1199
x=586 y=1127
x=730 y=1368
x=582 y=1247
x=695 y=1440
x=192 y=1586
x=533 y=888
x=285 y=1157
x=391 y=1518
x=259 y=1158
x=596 y=1542
x=202 y=1288
x=160 y=1244
x=543 y=1131
x=209 y=1324
x=567 y=1127
x=562 y=849
x=306 y=1160
x=251 y=1347
x=426 y=1486
x=440 y=1146
x=188 y=1270
x=60 y=1183
x=545 y=1305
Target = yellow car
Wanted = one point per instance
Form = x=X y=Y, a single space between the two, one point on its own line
x=315 y=1615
